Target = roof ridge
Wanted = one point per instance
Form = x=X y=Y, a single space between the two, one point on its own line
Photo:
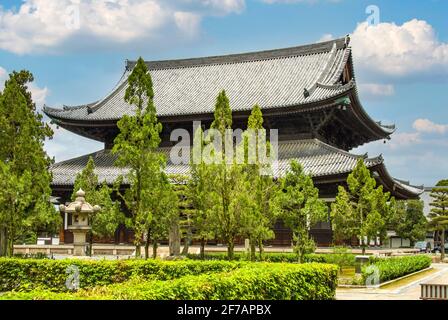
x=77 y=158
x=302 y=50
x=333 y=148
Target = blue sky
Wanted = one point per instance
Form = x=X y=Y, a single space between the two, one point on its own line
x=401 y=57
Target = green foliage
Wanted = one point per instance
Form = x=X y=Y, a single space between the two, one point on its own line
x=362 y=210
x=27 y=274
x=106 y=221
x=439 y=211
x=300 y=207
x=136 y=146
x=260 y=222
x=253 y=282
x=229 y=186
x=222 y=114
x=392 y=268
x=38 y=255
x=25 y=164
x=409 y=221
x=198 y=190
x=342 y=259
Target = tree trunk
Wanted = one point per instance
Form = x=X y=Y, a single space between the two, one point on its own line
x=154 y=249
x=260 y=249
x=442 y=245
x=187 y=243
x=174 y=239
x=147 y=250
x=202 y=252
x=138 y=251
x=363 y=246
x=230 y=249
x=10 y=243
x=147 y=243
x=252 y=251
x=3 y=242
x=90 y=244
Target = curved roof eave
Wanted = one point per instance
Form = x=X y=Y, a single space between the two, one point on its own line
x=398 y=188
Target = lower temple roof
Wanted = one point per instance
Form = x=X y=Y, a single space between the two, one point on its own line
x=317 y=158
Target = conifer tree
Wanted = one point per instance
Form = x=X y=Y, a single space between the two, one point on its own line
x=439 y=212
x=22 y=136
x=105 y=222
x=362 y=210
x=409 y=221
x=260 y=223
x=136 y=146
x=200 y=193
x=230 y=187
x=300 y=207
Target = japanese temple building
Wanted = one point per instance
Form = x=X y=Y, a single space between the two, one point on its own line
x=308 y=93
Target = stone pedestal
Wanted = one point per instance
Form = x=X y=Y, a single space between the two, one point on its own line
x=79 y=242
x=80 y=211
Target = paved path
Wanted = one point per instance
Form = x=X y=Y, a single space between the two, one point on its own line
x=409 y=291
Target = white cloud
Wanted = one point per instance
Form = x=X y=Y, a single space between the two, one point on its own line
x=404 y=139
x=3 y=77
x=377 y=89
x=326 y=37
x=427 y=126
x=223 y=7
x=297 y=1
x=187 y=21
x=47 y=26
x=66 y=145
x=38 y=94
x=399 y=50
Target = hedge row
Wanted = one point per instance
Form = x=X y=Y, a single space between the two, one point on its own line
x=28 y=274
x=257 y=281
x=346 y=259
x=392 y=268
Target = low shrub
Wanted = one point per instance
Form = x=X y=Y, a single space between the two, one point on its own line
x=341 y=259
x=28 y=274
x=395 y=267
x=38 y=255
x=256 y=281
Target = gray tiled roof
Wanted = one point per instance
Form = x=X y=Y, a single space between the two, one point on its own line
x=317 y=158
x=273 y=79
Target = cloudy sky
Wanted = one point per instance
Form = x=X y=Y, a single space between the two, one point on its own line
x=77 y=48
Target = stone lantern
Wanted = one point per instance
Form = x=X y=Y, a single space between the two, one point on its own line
x=80 y=210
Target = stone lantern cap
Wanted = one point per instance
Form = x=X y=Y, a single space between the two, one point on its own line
x=80 y=205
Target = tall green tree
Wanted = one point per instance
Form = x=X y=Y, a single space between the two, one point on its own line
x=362 y=210
x=439 y=212
x=200 y=193
x=409 y=221
x=300 y=207
x=230 y=186
x=182 y=227
x=164 y=210
x=136 y=146
x=105 y=222
x=22 y=133
x=260 y=223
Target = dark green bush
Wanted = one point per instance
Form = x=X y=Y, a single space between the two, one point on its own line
x=27 y=274
x=38 y=255
x=346 y=259
x=256 y=281
x=395 y=267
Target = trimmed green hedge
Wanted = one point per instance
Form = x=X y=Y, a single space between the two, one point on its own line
x=392 y=268
x=28 y=274
x=347 y=259
x=257 y=281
